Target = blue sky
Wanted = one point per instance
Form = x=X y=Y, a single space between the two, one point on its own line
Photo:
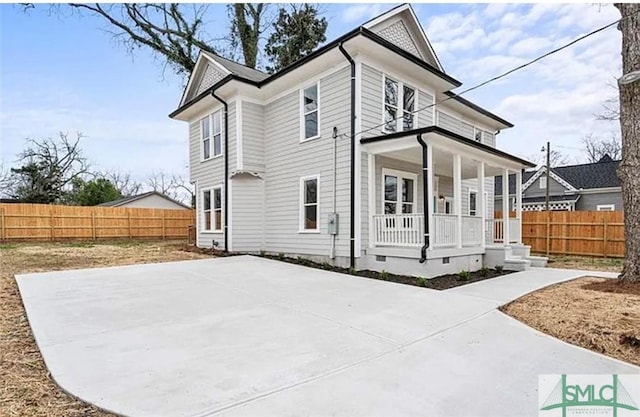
x=67 y=74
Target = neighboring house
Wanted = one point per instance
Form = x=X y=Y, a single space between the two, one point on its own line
x=584 y=187
x=345 y=157
x=152 y=199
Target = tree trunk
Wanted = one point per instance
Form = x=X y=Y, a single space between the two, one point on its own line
x=630 y=127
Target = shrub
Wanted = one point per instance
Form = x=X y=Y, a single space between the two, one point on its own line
x=384 y=275
x=262 y=253
x=352 y=271
x=422 y=281
x=326 y=265
x=484 y=271
x=281 y=256
x=464 y=275
x=499 y=269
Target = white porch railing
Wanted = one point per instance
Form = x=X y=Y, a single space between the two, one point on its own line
x=471 y=231
x=445 y=230
x=495 y=230
x=399 y=229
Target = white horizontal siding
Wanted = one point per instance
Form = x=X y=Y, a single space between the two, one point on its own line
x=248 y=213
x=287 y=160
x=253 y=137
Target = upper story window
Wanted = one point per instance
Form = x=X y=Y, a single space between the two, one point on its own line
x=543 y=182
x=310 y=112
x=211 y=131
x=399 y=105
x=478 y=136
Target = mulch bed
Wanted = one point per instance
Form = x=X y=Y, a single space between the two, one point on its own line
x=599 y=314
x=442 y=282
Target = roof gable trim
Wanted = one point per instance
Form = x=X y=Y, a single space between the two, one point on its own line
x=553 y=175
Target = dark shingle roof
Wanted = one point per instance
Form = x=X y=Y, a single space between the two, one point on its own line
x=238 y=69
x=552 y=198
x=599 y=174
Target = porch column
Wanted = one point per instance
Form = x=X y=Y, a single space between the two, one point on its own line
x=481 y=201
x=519 y=203
x=457 y=196
x=371 y=178
x=429 y=213
x=505 y=206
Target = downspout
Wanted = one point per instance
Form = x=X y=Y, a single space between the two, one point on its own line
x=226 y=169
x=352 y=232
x=425 y=197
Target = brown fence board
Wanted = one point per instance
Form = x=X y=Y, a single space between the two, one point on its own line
x=51 y=222
x=585 y=233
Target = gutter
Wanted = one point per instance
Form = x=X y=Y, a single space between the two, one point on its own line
x=425 y=197
x=352 y=110
x=226 y=169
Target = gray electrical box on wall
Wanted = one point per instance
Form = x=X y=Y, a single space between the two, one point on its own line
x=332 y=224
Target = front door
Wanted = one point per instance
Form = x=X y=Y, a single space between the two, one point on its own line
x=399 y=192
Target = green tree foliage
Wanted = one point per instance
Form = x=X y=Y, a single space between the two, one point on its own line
x=93 y=192
x=295 y=34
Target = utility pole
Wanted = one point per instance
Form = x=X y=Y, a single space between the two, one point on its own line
x=546 y=199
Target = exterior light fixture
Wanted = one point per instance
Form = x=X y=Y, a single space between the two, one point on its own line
x=629 y=78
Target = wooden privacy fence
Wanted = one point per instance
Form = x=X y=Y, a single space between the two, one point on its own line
x=38 y=222
x=590 y=233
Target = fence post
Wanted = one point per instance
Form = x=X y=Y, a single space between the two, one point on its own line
x=163 y=227
x=51 y=223
x=129 y=223
x=548 y=230
x=93 y=225
x=604 y=237
x=2 y=228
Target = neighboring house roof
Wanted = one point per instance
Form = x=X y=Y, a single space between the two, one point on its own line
x=257 y=78
x=601 y=174
x=552 y=199
x=125 y=200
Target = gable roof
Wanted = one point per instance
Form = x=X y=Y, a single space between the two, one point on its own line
x=601 y=174
x=124 y=200
x=238 y=69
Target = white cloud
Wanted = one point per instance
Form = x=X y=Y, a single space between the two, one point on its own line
x=530 y=46
x=361 y=12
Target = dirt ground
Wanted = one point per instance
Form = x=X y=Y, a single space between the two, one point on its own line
x=25 y=386
x=585 y=262
x=595 y=313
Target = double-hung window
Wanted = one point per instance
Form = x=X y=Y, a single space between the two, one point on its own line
x=217 y=132
x=400 y=192
x=211 y=132
x=399 y=105
x=309 y=204
x=205 y=128
x=212 y=210
x=310 y=112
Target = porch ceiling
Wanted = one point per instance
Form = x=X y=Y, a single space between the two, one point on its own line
x=443 y=162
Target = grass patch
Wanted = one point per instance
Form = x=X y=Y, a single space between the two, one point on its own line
x=586 y=263
x=595 y=313
x=7 y=246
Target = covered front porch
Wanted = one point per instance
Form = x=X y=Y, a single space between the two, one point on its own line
x=431 y=191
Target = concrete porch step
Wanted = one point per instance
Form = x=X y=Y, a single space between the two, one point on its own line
x=516 y=263
x=538 y=261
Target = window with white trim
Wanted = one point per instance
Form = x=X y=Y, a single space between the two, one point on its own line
x=205 y=132
x=399 y=103
x=478 y=135
x=400 y=191
x=211 y=133
x=212 y=210
x=309 y=207
x=217 y=132
x=543 y=182
x=473 y=203
x=606 y=207
x=310 y=112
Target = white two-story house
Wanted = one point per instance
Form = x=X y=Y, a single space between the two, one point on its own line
x=358 y=154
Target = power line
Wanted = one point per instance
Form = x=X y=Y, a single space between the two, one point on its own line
x=482 y=84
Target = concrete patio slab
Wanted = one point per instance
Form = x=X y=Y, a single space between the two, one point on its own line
x=251 y=336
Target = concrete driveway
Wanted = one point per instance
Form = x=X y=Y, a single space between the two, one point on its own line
x=246 y=336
